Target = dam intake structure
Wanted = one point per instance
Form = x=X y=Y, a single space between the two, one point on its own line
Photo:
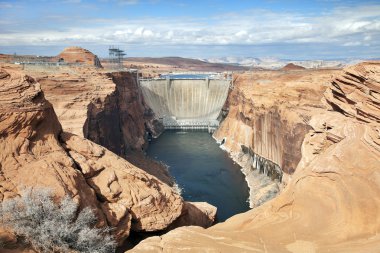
x=187 y=100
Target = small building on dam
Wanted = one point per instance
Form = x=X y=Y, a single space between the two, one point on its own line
x=187 y=101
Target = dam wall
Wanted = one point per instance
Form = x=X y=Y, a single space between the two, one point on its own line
x=186 y=103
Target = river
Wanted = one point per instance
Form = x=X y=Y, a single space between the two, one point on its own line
x=202 y=170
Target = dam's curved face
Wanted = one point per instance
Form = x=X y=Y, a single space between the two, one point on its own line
x=186 y=102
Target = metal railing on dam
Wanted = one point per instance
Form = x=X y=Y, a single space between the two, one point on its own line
x=186 y=103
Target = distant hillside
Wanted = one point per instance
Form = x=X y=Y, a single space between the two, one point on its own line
x=191 y=64
x=274 y=63
x=292 y=66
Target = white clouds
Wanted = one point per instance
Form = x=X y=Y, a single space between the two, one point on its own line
x=241 y=34
x=343 y=26
x=352 y=44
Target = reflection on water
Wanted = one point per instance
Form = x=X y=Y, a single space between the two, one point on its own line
x=202 y=170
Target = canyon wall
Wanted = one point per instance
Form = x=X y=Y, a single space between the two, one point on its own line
x=268 y=118
x=106 y=108
x=121 y=120
x=269 y=113
x=331 y=200
x=265 y=130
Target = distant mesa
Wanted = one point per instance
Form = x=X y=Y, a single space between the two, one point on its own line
x=79 y=55
x=292 y=66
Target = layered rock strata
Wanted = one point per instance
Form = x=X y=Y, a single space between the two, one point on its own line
x=331 y=201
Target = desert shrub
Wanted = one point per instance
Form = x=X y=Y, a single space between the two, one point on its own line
x=54 y=227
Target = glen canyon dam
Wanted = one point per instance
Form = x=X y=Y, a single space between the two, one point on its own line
x=186 y=101
x=189 y=126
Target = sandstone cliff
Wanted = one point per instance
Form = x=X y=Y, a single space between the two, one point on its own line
x=331 y=201
x=121 y=121
x=37 y=153
x=106 y=108
x=269 y=113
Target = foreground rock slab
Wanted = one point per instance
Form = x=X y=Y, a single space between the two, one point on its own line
x=123 y=188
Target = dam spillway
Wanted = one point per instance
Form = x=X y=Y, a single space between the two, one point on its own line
x=186 y=101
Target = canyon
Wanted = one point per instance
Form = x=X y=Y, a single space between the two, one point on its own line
x=307 y=141
x=323 y=131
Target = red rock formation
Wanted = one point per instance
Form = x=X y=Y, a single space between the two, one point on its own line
x=332 y=200
x=79 y=55
x=292 y=66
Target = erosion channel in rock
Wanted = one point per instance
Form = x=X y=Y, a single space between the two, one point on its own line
x=202 y=170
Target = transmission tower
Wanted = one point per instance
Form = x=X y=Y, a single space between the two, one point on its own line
x=116 y=56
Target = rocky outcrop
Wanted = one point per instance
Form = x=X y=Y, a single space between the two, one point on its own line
x=331 y=201
x=36 y=153
x=29 y=131
x=71 y=91
x=123 y=189
x=79 y=55
x=356 y=93
x=106 y=108
x=196 y=214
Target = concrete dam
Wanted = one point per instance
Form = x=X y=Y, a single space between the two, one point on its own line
x=187 y=101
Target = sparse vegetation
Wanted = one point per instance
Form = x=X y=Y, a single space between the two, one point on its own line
x=54 y=227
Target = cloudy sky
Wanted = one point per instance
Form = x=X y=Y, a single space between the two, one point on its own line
x=286 y=29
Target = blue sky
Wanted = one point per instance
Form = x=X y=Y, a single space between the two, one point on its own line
x=320 y=29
